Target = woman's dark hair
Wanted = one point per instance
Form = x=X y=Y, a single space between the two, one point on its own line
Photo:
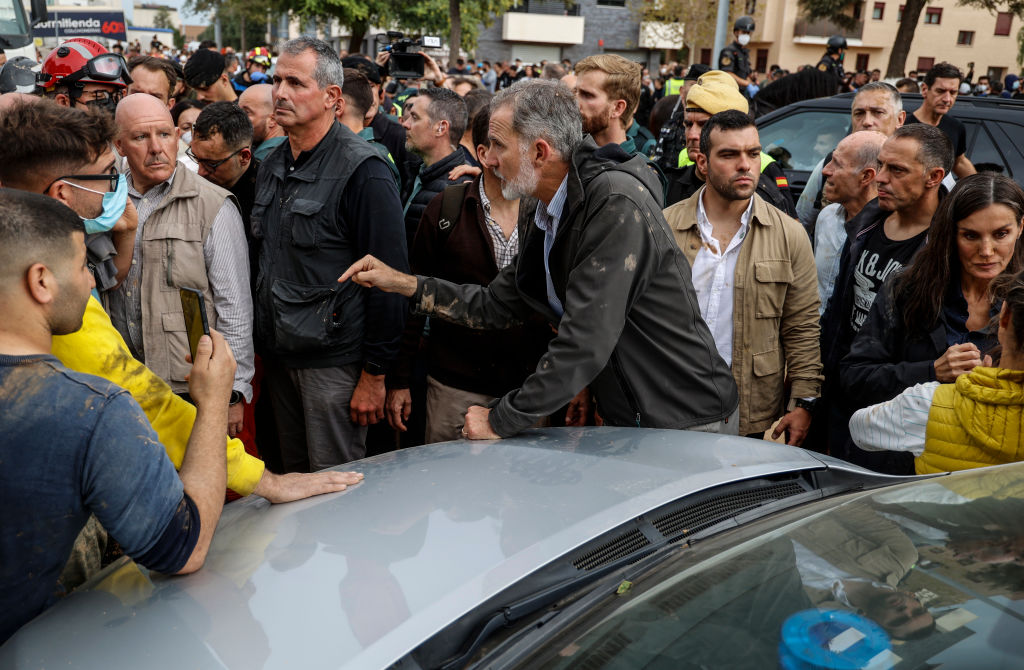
x=187 y=103
x=1009 y=288
x=922 y=288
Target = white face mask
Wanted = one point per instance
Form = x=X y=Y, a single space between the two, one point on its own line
x=187 y=137
x=743 y=39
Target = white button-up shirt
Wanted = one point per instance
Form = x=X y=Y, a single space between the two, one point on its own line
x=714 y=272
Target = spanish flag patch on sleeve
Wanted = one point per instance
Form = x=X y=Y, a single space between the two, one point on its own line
x=782 y=182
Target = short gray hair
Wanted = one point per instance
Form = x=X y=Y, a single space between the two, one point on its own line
x=543 y=109
x=895 y=98
x=329 y=70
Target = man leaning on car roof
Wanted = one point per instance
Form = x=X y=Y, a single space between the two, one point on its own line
x=600 y=265
x=76 y=445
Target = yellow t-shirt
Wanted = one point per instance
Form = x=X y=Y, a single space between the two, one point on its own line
x=98 y=349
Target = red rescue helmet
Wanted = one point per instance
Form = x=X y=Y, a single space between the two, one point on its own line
x=81 y=61
x=260 y=56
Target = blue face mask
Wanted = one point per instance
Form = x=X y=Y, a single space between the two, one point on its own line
x=113 y=207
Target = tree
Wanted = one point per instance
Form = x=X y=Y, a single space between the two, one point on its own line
x=1020 y=47
x=689 y=21
x=840 y=12
x=162 y=18
x=236 y=17
x=459 y=19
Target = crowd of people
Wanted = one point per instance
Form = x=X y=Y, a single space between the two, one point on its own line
x=388 y=262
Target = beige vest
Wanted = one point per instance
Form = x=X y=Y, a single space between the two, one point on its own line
x=172 y=258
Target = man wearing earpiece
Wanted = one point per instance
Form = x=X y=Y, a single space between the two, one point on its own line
x=434 y=120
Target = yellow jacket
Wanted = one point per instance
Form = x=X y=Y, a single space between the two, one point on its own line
x=974 y=422
x=98 y=349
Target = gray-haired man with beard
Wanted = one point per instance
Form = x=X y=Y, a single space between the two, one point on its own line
x=323 y=199
x=600 y=265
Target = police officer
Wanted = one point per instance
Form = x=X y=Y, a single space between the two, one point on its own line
x=735 y=58
x=832 y=61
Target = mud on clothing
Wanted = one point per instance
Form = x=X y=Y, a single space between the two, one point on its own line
x=75 y=445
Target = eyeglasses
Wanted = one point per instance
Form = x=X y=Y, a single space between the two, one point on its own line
x=104 y=97
x=111 y=177
x=213 y=165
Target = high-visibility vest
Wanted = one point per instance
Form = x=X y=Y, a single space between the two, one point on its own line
x=673 y=86
x=684 y=160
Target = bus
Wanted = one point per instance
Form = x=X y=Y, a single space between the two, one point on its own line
x=16 y=27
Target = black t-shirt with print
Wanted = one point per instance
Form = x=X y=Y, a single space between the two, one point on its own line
x=879 y=258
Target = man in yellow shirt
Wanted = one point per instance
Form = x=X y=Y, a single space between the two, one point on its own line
x=70 y=162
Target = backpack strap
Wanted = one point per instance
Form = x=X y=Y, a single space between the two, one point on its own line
x=451 y=206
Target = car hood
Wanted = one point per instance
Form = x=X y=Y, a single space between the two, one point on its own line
x=359 y=578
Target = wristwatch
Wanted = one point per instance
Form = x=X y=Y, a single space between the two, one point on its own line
x=806 y=403
x=236 y=397
x=374 y=368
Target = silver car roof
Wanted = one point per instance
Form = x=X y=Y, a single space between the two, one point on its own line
x=359 y=578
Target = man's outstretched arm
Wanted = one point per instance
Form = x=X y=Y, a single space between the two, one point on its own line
x=98 y=349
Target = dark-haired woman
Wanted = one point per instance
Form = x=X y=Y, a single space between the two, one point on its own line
x=974 y=422
x=931 y=322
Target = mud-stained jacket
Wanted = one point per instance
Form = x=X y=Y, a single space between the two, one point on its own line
x=631 y=328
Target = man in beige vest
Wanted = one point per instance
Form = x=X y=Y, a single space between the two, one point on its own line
x=190 y=234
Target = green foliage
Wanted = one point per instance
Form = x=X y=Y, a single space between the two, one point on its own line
x=839 y=12
x=695 y=19
x=162 y=18
x=1020 y=47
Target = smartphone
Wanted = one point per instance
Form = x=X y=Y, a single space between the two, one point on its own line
x=196 y=325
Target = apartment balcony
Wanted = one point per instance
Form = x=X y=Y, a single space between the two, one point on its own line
x=543 y=22
x=820 y=30
x=551 y=7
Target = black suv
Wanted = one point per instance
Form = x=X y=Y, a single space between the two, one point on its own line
x=801 y=134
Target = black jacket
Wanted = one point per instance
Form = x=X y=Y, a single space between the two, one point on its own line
x=887 y=356
x=631 y=328
x=490 y=362
x=836 y=333
x=392 y=135
x=244 y=191
x=314 y=217
x=432 y=180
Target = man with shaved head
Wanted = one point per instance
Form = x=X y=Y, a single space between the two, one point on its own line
x=257 y=102
x=189 y=235
x=849 y=185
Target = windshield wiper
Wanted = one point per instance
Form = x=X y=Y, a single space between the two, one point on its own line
x=510 y=614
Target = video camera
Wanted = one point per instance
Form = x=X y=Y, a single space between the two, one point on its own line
x=405 y=63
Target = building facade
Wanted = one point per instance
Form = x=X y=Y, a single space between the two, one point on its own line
x=536 y=30
x=945 y=32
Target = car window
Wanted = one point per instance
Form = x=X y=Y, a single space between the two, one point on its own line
x=925 y=575
x=982 y=150
x=1007 y=138
x=800 y=140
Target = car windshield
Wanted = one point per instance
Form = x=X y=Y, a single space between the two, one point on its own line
x=916 y=576
x=800 y=141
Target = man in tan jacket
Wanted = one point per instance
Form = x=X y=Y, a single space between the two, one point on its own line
x=756 y=284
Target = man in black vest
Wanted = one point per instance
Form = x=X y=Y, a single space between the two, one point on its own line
x=323 y=200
